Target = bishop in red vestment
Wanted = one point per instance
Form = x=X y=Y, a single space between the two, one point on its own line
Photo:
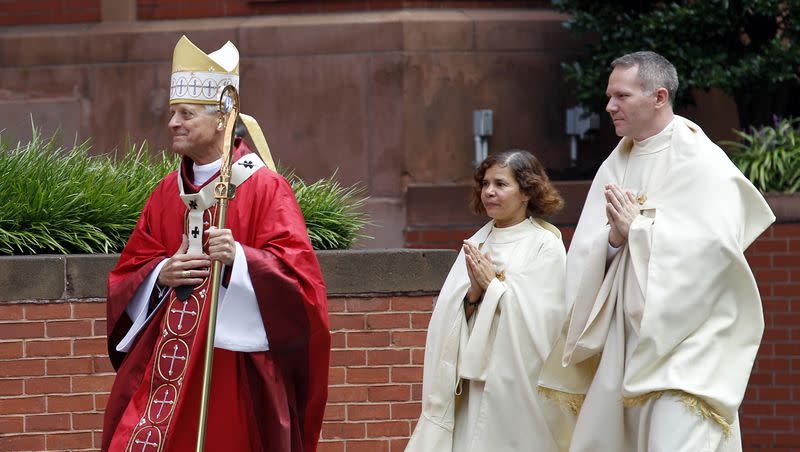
x=272 y=344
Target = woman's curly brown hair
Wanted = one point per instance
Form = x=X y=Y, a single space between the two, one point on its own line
x=531 y=177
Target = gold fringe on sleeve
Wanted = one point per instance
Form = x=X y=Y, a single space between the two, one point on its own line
x=565 y=400
x=694 y=403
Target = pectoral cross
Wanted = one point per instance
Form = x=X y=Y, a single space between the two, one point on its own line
x=195 y=232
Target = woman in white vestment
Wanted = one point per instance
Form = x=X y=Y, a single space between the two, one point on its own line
x=496 y=319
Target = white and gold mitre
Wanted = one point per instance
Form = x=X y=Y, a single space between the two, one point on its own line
x=197 y=77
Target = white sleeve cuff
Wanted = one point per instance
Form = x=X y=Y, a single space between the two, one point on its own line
x=239 y=324
x=137 y=307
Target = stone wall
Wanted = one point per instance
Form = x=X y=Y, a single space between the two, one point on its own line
x=55 y=375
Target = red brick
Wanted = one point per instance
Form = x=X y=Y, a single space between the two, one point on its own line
x=336 y=305
x=391 y=356
x=399 y=444
x=48 y=347
x=47 y=385
x=22 y=405
x=388 y=429
x=368 y=375
x=92 y=383
x=347 y=394
x=9 y=350
x=336 y=376
x=368 y=412
x=786 y=230
x=343 y=430
x=387 y=321
x=22 y=368
x=368 y=339
x=89 y=311
x=787 y=409
x=763 y=275
x=786 y=290
x=347 y=322
x=781 y=439
x=69 y=328
x=94 y=346
x=408 y=410
x=408 y=338
x=22 y=442
x=87 y=421
x=412 y=236
x=100 y=401
x=416 y=392
x=788 y=319
x=767 y=394
x=759 y=408
x=61 y=441
x=70 y=403
x=367 y=304
x=330 y=446
x=348 y=357
x=787 y=379
x=764 y=364
x=99 y=328
x=48 y=311
x=11 y=424
x=368 y=446
x=388 y=393
x=11 y=386
x=759 y=261
x=775 y=306
x=775 y=423
x=338 y=339
x=418 y=356
x=69 y=366
x=11 y=312
x=102 y=364
x=424 y=304
x=21 y=330
x=47 y=423
x=785 y=261
x=769 y=246
x=334 y=413
x=420 y=320
x=406 y=374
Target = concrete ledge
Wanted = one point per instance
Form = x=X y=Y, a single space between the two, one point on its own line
x=350 y=273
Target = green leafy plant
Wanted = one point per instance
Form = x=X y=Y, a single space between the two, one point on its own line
x=332 y=211
x=55 y=200
x=769 y=156
x=59 y=200
x=749 y=49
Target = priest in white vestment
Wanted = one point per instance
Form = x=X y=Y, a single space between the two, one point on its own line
x=496 y=320
x=666 y=317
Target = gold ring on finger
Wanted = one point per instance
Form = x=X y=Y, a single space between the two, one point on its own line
x=185 y=273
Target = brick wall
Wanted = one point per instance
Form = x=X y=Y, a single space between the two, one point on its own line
x=42 y=12
x=770 y=415
x=55 y=375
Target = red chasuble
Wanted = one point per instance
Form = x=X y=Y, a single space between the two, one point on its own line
x=271 y=401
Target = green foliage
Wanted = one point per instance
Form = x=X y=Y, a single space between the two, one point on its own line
x=57 y=200
x=331 y=211
x=54 y=200
x=748 y=48
x=769 y=156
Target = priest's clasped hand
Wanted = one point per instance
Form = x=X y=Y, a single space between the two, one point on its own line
x=621 y=210
x=221 y=245
x=184 y=269
x=480 y=269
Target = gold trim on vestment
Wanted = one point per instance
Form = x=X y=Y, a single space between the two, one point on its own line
x=694 y=403
x=565 y=400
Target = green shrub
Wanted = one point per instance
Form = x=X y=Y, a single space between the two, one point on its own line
x=769 y=156
x=57 y=200
x=749 y=49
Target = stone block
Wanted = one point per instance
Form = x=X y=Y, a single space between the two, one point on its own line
x=87 y=274
x=32 y=277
